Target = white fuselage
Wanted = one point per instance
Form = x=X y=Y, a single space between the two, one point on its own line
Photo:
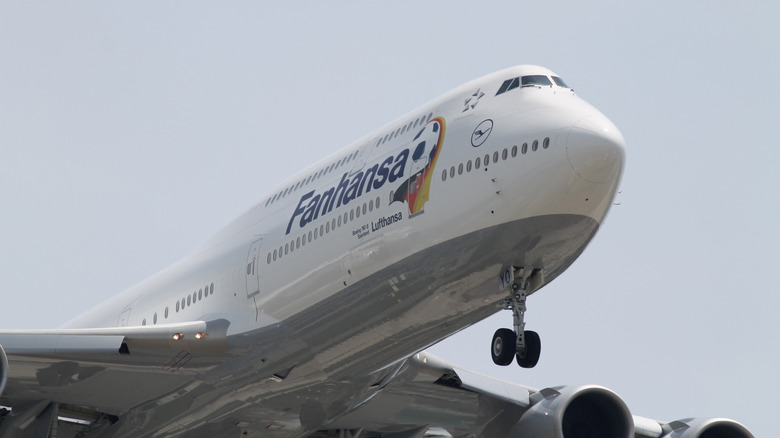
x=388 y=236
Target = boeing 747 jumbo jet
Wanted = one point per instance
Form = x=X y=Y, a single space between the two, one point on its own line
x=307 y=315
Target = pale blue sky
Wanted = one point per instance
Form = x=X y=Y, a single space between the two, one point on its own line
x=131 y=132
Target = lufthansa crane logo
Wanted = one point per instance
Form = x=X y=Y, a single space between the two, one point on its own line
x=481 y=133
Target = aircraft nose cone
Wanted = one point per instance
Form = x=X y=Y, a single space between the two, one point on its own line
x=596 y=149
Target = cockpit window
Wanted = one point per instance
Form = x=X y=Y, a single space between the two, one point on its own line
x=508 y=84
x=559 y=82
x=536 y=80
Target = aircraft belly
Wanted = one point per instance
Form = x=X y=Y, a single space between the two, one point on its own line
x=423 y=298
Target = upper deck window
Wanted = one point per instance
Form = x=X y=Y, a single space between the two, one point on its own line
x=559 y=82
x=532 y=80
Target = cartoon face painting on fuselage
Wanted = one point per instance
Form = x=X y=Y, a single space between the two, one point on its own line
x=427 y=146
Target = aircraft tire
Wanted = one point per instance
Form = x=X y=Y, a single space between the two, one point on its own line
x=502 y=349
x=533 y=349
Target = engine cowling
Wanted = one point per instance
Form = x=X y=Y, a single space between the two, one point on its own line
x=706 y=428
x=3 y=369
x=575 y=412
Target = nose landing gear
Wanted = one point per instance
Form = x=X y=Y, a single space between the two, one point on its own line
x=523 y=345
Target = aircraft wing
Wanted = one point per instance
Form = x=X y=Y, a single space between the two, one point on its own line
x=106 y=369
x=111 y=370
x=428 y=397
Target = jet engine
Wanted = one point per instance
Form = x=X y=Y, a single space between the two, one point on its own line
x=3 y=369
x=575 y=412
x=706 y=428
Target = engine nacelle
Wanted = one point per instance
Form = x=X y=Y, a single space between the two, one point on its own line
x=3 y=369
x=707 y=428
x=575 y=412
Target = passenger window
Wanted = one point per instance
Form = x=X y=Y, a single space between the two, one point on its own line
x=535 y=145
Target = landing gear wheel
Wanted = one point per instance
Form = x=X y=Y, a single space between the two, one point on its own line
x=529 y=357
x=503 y=346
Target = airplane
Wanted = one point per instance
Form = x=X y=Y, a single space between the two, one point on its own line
x=308 y=315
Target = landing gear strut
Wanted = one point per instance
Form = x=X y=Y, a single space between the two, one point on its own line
x=523 y=345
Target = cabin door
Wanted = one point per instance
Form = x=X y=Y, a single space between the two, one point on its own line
x=360 y=160
x=253 y=269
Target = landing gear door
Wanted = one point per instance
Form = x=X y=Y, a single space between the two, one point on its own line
x=253 y=268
